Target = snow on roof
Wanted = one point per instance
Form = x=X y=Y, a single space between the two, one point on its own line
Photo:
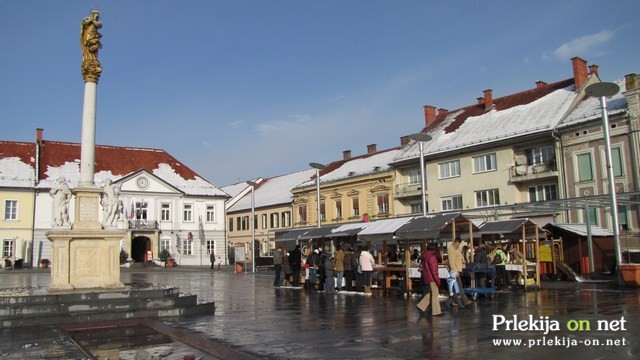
x=358 y=166
x=589 y=109
x=17 y=164
x=529 y=112
x=62 y=159
x=273 y=191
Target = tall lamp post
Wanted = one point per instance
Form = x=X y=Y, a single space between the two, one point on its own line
x=421 y=138
x=253 y=225
x=318 y=167
x=602 y=90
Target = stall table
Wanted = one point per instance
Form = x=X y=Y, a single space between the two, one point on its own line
x=474 y=291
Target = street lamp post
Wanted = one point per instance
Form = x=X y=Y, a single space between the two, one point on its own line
x=421 y=138
x=318 y=167
x=253 y=225
x=602 y=90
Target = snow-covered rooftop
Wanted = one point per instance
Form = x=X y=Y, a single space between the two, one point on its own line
x=273 y=191
x=589 y=109
x=470 y=126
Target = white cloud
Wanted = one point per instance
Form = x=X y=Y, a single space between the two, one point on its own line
x=236 y=124
x=292 y=124
x=584 y=46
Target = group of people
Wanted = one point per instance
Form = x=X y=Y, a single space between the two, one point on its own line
x=484 y=256
x=350 y=270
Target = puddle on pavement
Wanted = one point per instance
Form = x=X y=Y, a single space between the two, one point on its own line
x=135 y=341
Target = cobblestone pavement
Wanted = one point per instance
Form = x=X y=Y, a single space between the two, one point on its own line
x=562 y=320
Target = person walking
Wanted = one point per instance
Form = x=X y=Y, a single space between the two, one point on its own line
x=339 y=260
x=295 y=260
x=430 y=282
x=212 y=258
x=456 y=263
x=366 y=265
x=329 y=271
x=277 y=264
x=454 y=291
x=358 y=271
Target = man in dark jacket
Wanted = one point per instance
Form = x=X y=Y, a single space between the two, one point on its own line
x=480 y=257
x=431 y=282
x=350 y=267
x=295 y=260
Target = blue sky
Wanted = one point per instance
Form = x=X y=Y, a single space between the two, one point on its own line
x=259 y=88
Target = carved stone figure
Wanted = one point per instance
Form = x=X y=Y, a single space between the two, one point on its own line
x=90 y=44
x=61 y=194
x=110 y=203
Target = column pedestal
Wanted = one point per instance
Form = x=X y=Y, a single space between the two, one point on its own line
x=85 y=259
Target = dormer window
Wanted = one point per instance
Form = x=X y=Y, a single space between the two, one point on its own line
x=351 y=173
x=376 y=168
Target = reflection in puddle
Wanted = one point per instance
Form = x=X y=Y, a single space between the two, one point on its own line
x=134 y=341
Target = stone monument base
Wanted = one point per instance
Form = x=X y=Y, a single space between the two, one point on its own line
x=85 y=259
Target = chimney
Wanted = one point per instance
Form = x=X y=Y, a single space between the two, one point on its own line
x=39 y=136
x=371 y=149
x=593 y=69
x=488 y=99
x=346 y=155
x=540 y=84
x=630 y=81
x=442 y=112
x=480 y=100
x=579 y=71
x=404 y=140
x=429 y=114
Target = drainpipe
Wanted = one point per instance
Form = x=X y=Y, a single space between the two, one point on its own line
x=561 y=168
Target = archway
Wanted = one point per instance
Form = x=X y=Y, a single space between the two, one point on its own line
x=139 y=247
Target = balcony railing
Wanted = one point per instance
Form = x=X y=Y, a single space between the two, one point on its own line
x=407 y=190
x=520 y=173
x=143 y=224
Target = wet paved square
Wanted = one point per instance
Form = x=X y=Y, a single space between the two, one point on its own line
x=280 y=323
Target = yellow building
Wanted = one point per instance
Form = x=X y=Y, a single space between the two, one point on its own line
x=17 y=173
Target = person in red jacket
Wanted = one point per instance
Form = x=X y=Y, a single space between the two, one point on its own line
x=431 y=282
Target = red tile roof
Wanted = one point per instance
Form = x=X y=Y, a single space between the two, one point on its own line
x=118 y=160
x=26 y=152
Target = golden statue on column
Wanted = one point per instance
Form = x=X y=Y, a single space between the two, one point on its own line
x=90 y=44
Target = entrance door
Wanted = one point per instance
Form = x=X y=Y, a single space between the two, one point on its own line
x=139 y=247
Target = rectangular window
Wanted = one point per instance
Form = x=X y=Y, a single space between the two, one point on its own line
x=487 y=198
x=239 y=223
x=230 y=224
x=165 y=244
x=383 y=203
x=449 y=169
x=543 y=193
x=616 y=159
x=211 y=247
x=355 y=205
x=211 y=213
x=274 y=222
x=141 y=210
x=585 y=169
x=451 y=202
x=245 y=223
x=323 y=213
x=255 y=221
x=187 y=212
x=264 y=221
x=165 y=212
x=414 y=176
x=540 y=155
x=484 y=163
x=339 y=209
x=187 y=247
x=286 y=218
x=416 y=207
x=593 y=216
x=11 y=210
x=623 y=220
x=7 y=248
x=302 y=213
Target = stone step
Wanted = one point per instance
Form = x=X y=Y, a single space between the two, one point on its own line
x=99 y=305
